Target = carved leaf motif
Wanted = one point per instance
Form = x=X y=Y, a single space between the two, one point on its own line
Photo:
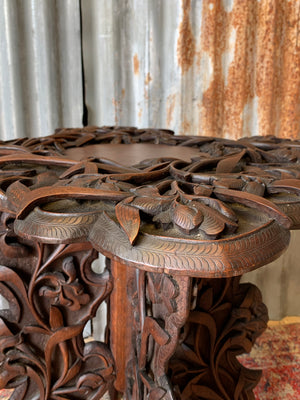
x=129 y=218
x=203 y=190
x=257 y=202
x=286 y=185
x=255 y=188
x=61 y=335
x=229 y=164
x=56 y=318
x=16 y=193
x=147 y=204
x=146 y=191
x=187 y=218
x=229 y=183
x=72 y=372
x=213 y=223
x=206 y=299
x=221 y=208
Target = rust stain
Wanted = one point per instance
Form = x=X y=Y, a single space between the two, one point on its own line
x=186 y=40
x=148 y=79
x=140 y=113
x=213 y=37
x=136 y=64
x=278 y=68
x=116 y=105
x=269 y=65
x=146 y=93
x=223 y=103
x=240 y=90
x=262 y=90
x=186 y=127
x=290 y=71
x=171 y=101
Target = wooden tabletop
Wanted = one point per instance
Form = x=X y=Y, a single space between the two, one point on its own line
x=196 y=206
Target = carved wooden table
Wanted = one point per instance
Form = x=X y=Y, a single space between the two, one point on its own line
x=179 y=219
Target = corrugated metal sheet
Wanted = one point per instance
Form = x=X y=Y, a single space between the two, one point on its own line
x=226 y=68
x=203 y=67
x=41 y=70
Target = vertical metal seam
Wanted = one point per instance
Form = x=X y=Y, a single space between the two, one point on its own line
x=85 y=114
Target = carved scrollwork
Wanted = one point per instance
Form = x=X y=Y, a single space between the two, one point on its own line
x=50 y=304
x=224 y=322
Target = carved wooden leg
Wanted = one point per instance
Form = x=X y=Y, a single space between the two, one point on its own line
x=169 y=343
x=148 y=311
x=52 y=293
x=225 y=320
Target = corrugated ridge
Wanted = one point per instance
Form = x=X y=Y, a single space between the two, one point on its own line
x=40 y=61
x=222 y=67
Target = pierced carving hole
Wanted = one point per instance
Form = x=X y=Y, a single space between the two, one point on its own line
x=4 y=304
x=98 y=265
x=12 y=241
x=99 y=323
x=87 y=331
x=10 y=223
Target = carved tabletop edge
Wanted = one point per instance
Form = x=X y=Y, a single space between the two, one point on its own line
x=225 y=212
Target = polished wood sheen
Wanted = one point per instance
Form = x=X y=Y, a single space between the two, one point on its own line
x=180 y=219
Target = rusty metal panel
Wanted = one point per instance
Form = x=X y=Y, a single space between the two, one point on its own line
x=227 y=68
x=40 y=66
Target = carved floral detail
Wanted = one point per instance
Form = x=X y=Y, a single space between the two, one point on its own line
x=225 y=321
x=66 y=292
x=41 y=324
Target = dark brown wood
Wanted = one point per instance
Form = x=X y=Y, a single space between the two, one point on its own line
x=181 y=218
x=225 y=319
x=52 y=293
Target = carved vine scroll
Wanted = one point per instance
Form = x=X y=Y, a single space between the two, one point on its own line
x=52 y=293
x=224 y=322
